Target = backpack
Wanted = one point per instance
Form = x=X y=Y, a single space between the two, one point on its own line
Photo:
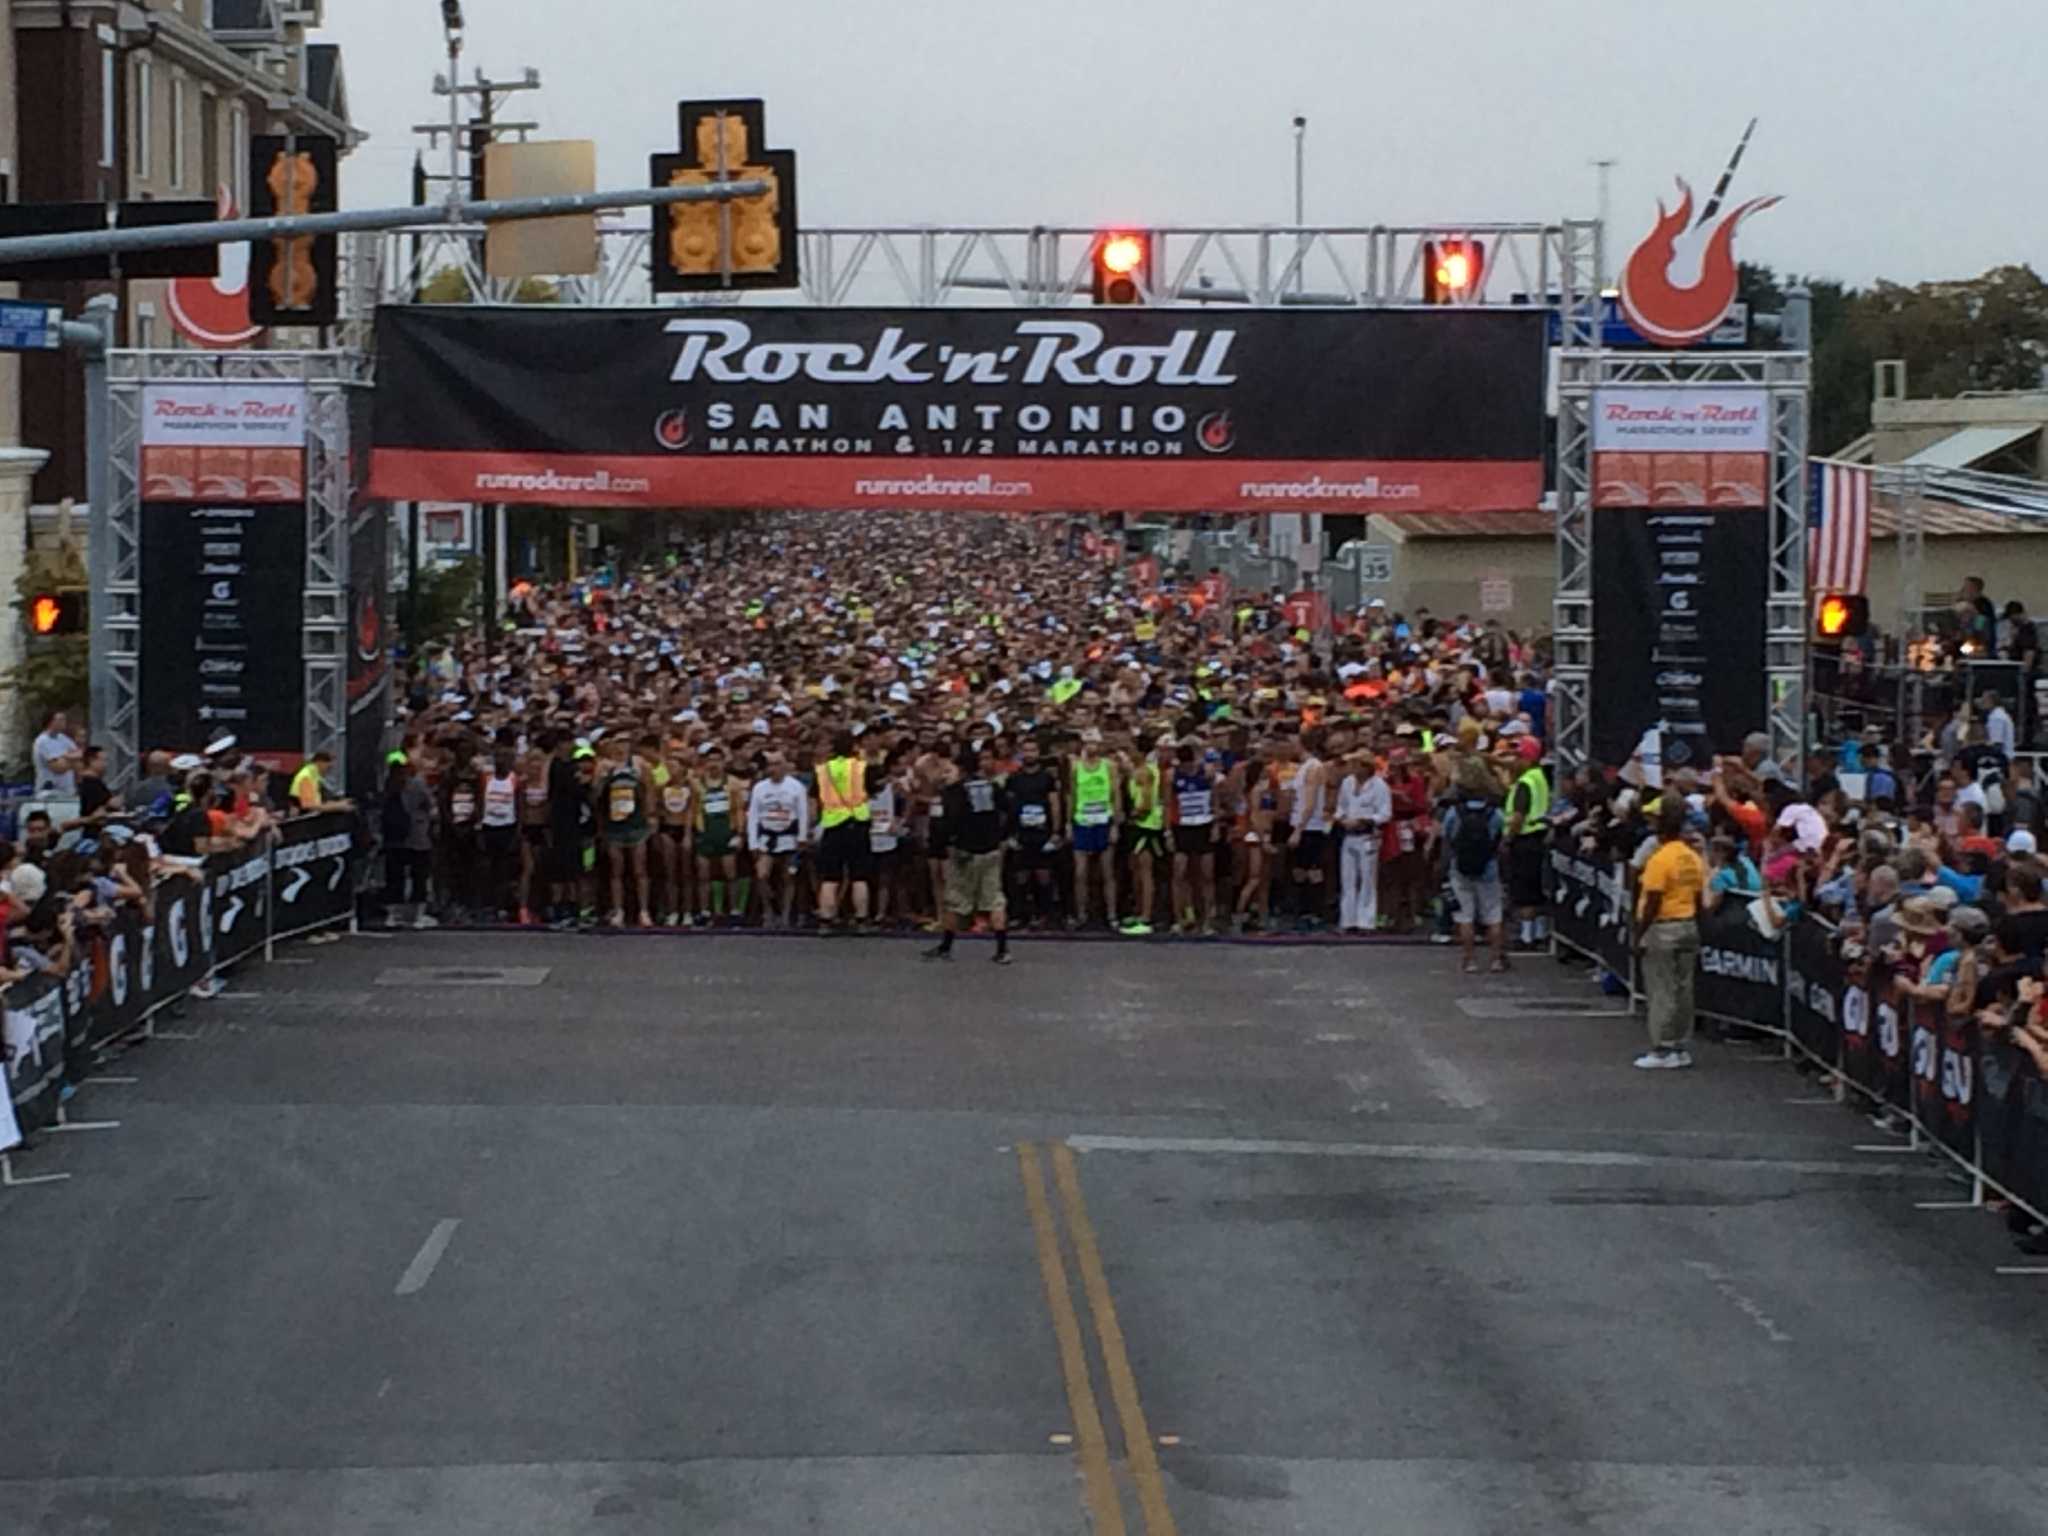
x=1472 y=845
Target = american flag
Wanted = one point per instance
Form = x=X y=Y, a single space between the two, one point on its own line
x=1838 y=527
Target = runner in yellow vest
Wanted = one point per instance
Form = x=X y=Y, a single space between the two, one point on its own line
x=1528 y=827
x=843 y=851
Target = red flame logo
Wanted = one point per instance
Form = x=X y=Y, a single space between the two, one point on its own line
x=1216 y=433
x=1661 y=310
x=672 y=430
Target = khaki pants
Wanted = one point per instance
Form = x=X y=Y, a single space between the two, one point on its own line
x=1671 y=955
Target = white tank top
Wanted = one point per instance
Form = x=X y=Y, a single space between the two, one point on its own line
x=501 y=801
x=1316 y=817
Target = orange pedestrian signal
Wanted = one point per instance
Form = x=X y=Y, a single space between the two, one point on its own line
x=1841 y=616
x=1120 y=262
x=55 y=613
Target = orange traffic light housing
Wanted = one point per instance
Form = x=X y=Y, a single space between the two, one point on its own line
x=1452 y=270
x=746 y=242
x=295 y=280
x=1841 y=616
x=1123 y=263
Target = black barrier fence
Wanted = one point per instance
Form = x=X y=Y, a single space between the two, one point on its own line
x=230 y=907
x=1976 y=1096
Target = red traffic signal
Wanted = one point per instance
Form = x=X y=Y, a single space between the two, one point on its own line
x=1841 y=616
x=1451 y=270
x=1121 y=263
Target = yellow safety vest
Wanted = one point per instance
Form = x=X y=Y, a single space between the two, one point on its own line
x=308 y=774
x=842 y=792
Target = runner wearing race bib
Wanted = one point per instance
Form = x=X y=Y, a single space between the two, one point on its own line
x=676 y=808
x=622 y=800
x=1194 y=839
x=778 y=823
x=499 y=835
x=1035 y=832
x=1094 y=802
x=719 y=799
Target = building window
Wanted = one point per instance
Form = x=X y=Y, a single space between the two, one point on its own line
x=177 y=133
x=238 y=156
x=107 y=107
x=145 y=109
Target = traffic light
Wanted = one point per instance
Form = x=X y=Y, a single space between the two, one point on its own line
x=746 y=242
x=1451 y=270
x=1123 y=262
x=1841 y=616
x=293 y=281
x=56 y=613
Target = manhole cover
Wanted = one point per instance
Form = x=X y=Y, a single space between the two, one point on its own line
x=463 y=976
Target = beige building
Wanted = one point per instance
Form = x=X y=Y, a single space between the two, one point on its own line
x=1998 y=431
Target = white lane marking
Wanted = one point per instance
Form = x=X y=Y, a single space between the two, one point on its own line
x=421 y=1269
x=1397 y=1152
x=1745 y=1304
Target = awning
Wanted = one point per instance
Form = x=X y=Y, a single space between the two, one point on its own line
x=1972 y=445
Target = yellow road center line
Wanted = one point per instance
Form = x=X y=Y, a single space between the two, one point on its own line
x=1105 y=1511
x=1123 y=1386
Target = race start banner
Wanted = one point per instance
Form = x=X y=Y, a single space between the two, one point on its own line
x=1678 y=630
x=1157 y=410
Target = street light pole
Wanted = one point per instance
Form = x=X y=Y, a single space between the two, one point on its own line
x=451 y=23
x=1300 y=160
x=1300 y=201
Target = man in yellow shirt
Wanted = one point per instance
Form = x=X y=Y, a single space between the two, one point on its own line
x=1668 y=936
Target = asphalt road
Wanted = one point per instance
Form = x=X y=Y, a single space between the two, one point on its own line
x=754 y=1235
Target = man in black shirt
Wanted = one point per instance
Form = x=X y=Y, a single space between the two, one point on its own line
x=1035 y=814
x=977 y=814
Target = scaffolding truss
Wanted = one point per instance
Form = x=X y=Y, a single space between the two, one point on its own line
x=1038 y=267
x=118 y=590
x=1785 y=379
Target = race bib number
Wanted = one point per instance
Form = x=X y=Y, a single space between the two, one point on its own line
x=462 y=805
x=1033 y=816
x=1095 y=815
x=1195 y=807
x=676 y=798
x=777 y=818
x=717 y=803
x=622 y=802
x=536 y=794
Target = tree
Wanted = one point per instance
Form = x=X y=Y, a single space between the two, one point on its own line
x=450 y=285
x=1988 y=332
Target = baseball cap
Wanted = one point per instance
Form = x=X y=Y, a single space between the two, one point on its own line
x=2020 y=840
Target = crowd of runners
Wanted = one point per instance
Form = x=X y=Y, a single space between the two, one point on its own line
x=851 y=721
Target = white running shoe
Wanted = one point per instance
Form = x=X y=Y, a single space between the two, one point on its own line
x=1658 y=1061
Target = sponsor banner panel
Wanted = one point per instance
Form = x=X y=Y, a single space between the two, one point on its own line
x=1741 y=973
x=1818 y=991
x=315 y=858
x=1681 y=446
x=1146 y=410
x=223 y=440
x=971 y=485
x=1678 y=620
x=1589 y=909
x=221 y=636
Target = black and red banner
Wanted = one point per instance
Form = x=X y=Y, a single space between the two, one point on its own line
x=1185 y=410
x=1678 y=630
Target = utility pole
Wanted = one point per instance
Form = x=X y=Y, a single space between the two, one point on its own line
x=1606 y=169
x=1300 y=200
x=472 y=140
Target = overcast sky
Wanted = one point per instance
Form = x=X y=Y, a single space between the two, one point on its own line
x=1905 y=135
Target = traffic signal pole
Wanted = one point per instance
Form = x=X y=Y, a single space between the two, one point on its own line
x=92 y=242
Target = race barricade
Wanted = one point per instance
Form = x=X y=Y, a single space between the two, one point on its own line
x=1741 y=977
x=232 y=906
x=1589 y=910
